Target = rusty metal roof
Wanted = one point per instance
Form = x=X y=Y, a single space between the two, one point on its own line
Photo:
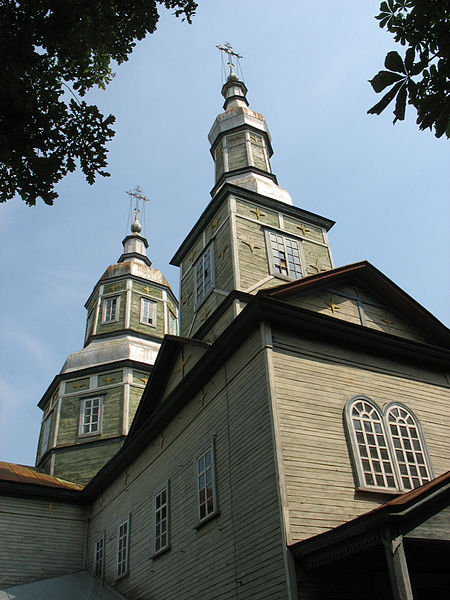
x=30 y=475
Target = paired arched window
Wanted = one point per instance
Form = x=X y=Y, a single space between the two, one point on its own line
x=388 y=446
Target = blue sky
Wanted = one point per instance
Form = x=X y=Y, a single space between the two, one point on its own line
x=306 y=65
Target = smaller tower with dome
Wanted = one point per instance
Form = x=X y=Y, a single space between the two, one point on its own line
x=89 y=406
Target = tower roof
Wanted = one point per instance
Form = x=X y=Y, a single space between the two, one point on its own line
x=240 y=141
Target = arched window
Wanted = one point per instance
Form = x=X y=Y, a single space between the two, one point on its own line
x=409 y=446
x=388 y=447
x=370 y=448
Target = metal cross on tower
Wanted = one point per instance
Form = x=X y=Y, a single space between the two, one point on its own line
x=227 y=48
x=139 y=197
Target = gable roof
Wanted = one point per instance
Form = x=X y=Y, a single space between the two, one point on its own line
x=170 y=349
x=403 y=512
x=365 y=273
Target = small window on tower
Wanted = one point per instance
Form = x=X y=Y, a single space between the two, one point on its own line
x=148 y=312
x=173 y=329
x=218 y=159
x=204 y=276
x=91 y=416
x=46 y=433
x=110 y=310
x=285 y=255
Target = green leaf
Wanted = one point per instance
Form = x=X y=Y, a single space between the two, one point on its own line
x=385 y=100
x=383 y=79
x=400 y=104
x=409 y=59
x=394 y=62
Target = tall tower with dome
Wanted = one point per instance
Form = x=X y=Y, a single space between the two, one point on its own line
x=89 y=406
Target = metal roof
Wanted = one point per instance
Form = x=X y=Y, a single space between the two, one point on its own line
x=76 y=586
x=30 y=475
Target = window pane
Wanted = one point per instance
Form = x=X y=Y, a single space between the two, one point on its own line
x=409 y=446
x=285 y=255
x=371 y=448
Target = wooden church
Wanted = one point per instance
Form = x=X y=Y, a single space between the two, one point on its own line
x=281 y=433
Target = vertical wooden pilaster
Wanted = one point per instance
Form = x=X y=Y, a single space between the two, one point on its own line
x=397 y=566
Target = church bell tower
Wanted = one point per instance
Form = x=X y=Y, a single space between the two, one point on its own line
x=89 y=406
x=250 y=236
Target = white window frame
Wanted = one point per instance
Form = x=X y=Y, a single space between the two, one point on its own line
x=401 y=470
x=272 y=268
x=206 y=290
x=105 y=300
x=46 y=428
x=172 y=322
x=151 y=303
x=122 y=562
x=201 y=483
x=413 y=459
x=161 y=519
x=98 y=562
x=97 y=431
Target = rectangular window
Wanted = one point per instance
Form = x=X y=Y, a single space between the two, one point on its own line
x=123 y=545
x=99 y=556
x=285 y=255
x=91 y=416
x=148 y=312
x=205 y=485
x=46 y=433
x=173 y=329
x=161 y=519
x=110 y=310
x=204 y=276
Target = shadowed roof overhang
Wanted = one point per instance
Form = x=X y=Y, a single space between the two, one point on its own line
x=154 y=415
x=251 y=196
x=403 y=513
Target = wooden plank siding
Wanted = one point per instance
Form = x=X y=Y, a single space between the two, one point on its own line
x=239 y=553
x=40 y=539
x=360 y=307
x=313 y=384
x=80 y=463
x=436 y=527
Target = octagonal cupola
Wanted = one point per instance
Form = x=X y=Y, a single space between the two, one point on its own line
x=90 y=404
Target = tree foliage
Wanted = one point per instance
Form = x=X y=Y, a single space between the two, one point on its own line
x=422 y=77
x=53 y=52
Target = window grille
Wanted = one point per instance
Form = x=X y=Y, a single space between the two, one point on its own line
x=204 y=277
x=110 y=309
x=123 y=540
x=161 y=519
x=99 y=556
x=285 y=252
x=388 y=447
x=206 y=491
x=91 y=415
x=148 y=311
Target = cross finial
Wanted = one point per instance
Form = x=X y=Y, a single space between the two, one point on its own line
x=227 y=48
x=138 y=196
